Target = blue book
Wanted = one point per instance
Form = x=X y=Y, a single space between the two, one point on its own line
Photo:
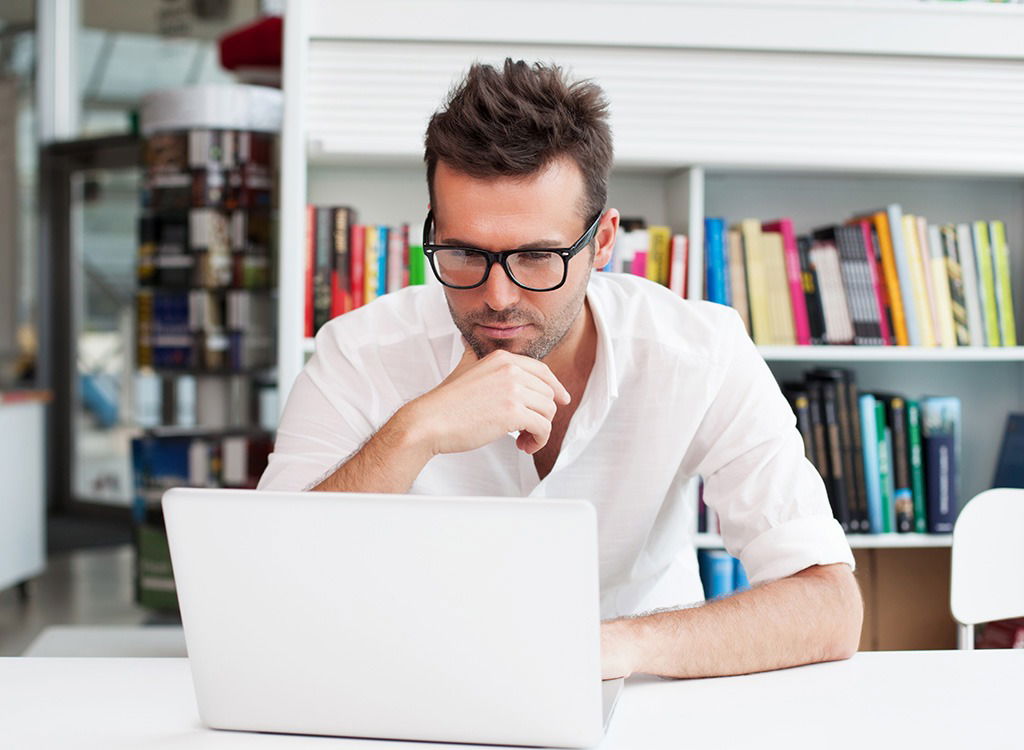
x=382 y=261
x=716 y=572
x=1010 y=466
x=941 y=426
x=869 y=447
x=717 y=261
x=739 y=576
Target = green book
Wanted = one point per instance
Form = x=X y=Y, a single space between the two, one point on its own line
x=986 y=283
x=884 y=468
x=916 y=465
x=417 y=266
x=1004 y=294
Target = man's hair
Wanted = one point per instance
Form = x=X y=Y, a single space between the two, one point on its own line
x=514 y=122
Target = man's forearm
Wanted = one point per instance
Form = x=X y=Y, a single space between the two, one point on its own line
x=388 y=462
x=813 y=616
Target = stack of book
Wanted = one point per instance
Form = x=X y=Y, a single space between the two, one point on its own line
x=889 y=464
x=882 y=278
x=349 y=264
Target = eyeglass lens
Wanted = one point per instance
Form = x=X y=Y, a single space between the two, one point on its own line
x=537 y=270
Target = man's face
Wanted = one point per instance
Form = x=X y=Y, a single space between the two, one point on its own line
x=539 y=211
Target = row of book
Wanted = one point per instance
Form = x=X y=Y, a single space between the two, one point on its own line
x=882 y=278
x=349 y=264
x=654 y=252
x=206 y=247
x=159 y=463
x=721 y=574
x=890 y=464
x=206 y=330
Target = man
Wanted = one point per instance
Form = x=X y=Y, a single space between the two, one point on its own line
x=527 y=374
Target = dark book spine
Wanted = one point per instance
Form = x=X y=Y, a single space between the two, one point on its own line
x=833 y=431
x=883 y=288
x=323 y=252
x=860 y=504
x=940 y=428
x=809 y=277
x=903 y=497
x=341 y=293
x=860 y=293
x=798 y=400
x=817 y=413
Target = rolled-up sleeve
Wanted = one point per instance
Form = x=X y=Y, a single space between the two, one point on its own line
x=770 y=500
x=327 y=417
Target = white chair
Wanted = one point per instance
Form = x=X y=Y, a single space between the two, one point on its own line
x=987 y=576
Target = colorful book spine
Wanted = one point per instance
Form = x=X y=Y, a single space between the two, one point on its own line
x=738 y=277
x=925 y=249
x=757 y=289
x=916 y=458
x=918 y=284
x=812 y=293
x=383 y=244
x=660 y=242
x=894 y=215
x=310 y=266
x=957 y=296
x=357 y=249
x=870 y=443
x=678 y=264
x=968 y=265
x=781 y=308
x=1004 y=290
x=884 y=468
x=986 y=283
x=798 y=303
x=942 y=300
x=717 y=263
x=717 y=572
x=418 y=266
x=877 y=282
x=941 y=426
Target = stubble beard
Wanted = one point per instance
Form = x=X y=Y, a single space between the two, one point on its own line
x=552 y=331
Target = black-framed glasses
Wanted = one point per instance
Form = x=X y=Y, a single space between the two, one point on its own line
x=537 y=270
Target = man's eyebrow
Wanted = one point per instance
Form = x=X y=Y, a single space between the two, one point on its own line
x=536 y=245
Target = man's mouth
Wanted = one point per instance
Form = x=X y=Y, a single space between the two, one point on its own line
x=500 y=331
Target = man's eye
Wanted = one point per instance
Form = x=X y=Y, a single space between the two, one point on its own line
x=538 y=257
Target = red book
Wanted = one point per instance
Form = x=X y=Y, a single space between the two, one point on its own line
x=801 y=324
x=310 y=263
x=881 y=297
x=357 y=263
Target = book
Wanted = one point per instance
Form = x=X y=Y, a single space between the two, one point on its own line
x=717 y=572
x=925 y=248
x=815 y=314
x=659 y=242
x=418 y=270
x=986 y=283
x=1003 y=287
x=880 y=296
x=341 y=280
x=968 y=266
x=309 y=325
x=323 y=255
x=918 y=284
x=904 y=276
x=738 y=276
x=862 y=304
x=678 y=264
x=883 y=241
x=883 y=437
x=902 y=496
x=822 y=462
x=916 y=460
x=716 y=261
x=791 y=255
x=870 y=443
x=780 y=308
x=942 y=299
x=957 y=297
x=1010 y=464
x=941 y=427
x=830 y=401
x=357 y=264
x=758 y=292
x=798 y=399
x=383 y=243
x=824 y=258
x=849 y=443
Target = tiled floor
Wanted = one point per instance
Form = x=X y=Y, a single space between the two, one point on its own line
x=84 y=587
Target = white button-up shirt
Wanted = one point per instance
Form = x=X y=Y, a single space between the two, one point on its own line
x=677 y=391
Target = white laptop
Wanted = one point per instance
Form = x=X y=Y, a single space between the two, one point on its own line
x=392 y=616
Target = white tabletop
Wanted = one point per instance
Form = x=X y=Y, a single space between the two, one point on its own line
x=914 y=699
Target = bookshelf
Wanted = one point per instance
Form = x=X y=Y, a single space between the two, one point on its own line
x=917 y=103
x=859 y=541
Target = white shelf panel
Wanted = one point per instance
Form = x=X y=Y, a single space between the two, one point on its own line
x=308 y=346
x=871 y=27
x=861 y=541
x=890 y=354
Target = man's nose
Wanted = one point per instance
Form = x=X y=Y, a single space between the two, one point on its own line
x=500 y=293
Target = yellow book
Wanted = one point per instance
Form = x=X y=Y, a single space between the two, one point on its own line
x=986 y=283
x=757 y=291
x=917 y=281
x=371 y=269
x=927 y=253
x=1004 y=291
x=659 y=240
x=777 y=282
x=738 y=276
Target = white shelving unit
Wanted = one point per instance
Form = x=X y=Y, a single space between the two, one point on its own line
x=860 y=541
x=733 y=108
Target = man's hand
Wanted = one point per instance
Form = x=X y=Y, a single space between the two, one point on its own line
x=484 y=399
x=618 y=649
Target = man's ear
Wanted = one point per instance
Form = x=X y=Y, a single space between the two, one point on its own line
x=605 y=237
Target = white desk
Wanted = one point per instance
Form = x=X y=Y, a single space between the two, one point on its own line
x=929 y=700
